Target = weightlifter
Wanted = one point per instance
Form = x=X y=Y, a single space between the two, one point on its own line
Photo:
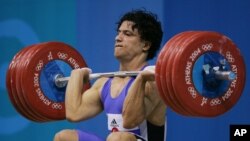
x=134 y=109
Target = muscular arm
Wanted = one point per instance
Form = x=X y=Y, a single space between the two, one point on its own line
x=79 y=105
x=141 y=102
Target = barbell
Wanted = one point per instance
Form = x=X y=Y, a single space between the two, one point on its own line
x=61 y=81
x=198 y=73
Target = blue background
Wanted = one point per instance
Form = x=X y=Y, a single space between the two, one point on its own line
x=89 y=26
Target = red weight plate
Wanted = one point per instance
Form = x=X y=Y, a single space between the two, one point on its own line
x=10 y=83
x=165 y=77
x=20 y=68
x=179 y=54
x=183 y=83
x=175 y=67
x=174 y=82
x=158 y=75
x=168 y=71
x=25 y=63
x=190 y=35
x=23 y=69
x=13 y=99
x=34 y=94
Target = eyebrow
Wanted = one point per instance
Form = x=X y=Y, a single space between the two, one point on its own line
x=127 y=31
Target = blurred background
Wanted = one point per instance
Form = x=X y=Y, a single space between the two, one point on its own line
x=90 y=27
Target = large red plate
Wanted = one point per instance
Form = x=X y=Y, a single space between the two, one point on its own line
x=208 y=107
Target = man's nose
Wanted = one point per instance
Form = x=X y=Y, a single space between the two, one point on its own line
x=118 y=37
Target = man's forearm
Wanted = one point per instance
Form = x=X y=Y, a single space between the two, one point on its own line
x=134 y=108
x=73 y=94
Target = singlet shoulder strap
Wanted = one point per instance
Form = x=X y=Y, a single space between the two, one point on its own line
x=106 y=89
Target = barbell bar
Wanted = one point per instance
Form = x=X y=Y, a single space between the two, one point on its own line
x=61 y=81
x=198 y=73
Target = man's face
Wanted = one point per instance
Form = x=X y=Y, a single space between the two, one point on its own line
x=128 y=43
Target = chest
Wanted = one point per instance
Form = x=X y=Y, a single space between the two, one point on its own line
x=114 y=94
x=117 y=86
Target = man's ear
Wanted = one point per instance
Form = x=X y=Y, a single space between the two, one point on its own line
x=146 y=46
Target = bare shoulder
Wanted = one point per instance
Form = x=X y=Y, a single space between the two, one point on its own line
x=99 y=83
x=94 y=92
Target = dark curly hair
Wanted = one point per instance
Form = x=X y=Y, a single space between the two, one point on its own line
x=148 y=27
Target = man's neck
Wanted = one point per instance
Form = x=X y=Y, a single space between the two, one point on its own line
x=133 y=65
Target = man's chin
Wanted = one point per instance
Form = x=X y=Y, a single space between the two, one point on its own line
x=118 y=56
